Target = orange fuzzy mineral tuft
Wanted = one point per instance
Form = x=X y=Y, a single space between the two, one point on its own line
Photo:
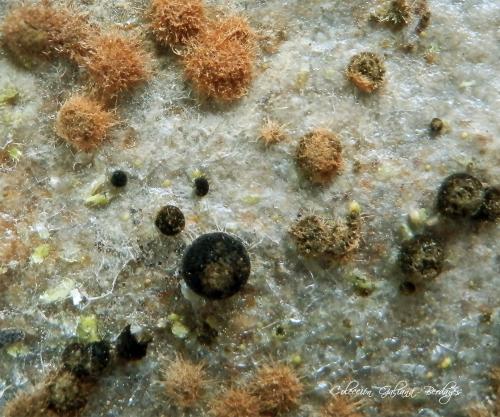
x=38 y=31
x=176 y=21
x=117 y=63
x=277 y=388
x=219 y=62
x=184 y=382
x=83 y=122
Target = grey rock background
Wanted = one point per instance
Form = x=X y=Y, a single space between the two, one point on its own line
x=393 y=167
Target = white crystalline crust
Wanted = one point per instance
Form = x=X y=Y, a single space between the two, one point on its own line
x=113 y=254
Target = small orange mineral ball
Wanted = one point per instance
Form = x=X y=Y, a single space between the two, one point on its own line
x=235 y=403
x=319 y=155
x=176 y=21
x=184 y=382
x=277 y=389
x=83 y=122
x=117 y=63
x=219 y=62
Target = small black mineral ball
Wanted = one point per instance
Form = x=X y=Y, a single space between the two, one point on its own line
x=201 y=186
x=460 y=195
x=216 y=265
x=490 y=210
x=170 y=220
x=128 y=347
x=437 y=125
x=422 y=257
x=119 y=178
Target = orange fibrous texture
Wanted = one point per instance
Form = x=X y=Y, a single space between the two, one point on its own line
x=366 y=71
x=28 y=405
x=184 y=382
x=42 y=31
x=342 y=406
x=235 y=403
x=272 y=132
x=277 y=389
x=176 y=21
x=319 y=155
x=219 y=62
x=83 y=122
x=117 y=63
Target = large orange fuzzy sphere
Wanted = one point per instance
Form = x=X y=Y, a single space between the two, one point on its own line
x=117 y=63
x=83 y=123
x=41 y=31
x=176 y=21
x=219 y=63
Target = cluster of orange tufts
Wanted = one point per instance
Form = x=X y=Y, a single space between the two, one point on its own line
x=219 y=55
x=275 y=389
x=115 y=63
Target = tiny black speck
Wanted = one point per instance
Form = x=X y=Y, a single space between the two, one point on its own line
x=119 y=178
x=201 y=186
x=437 y=125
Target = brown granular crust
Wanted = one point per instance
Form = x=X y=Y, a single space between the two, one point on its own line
x=319 y=155
x=316 y=236
x=219 y=63
x=176 y=21
x=366 y=71
x=11 y=247
x=83 y=122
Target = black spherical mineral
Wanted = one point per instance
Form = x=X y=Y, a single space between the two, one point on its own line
x=422 y=257
x=216 y=265
x=119 y=178
x=170 y=220
x=201 y=186
x=460 y=195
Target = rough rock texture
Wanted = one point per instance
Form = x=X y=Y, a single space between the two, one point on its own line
x=112 y=262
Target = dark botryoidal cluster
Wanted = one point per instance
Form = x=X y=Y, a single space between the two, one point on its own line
x=216 y=265
x=460 y=196
x=319 y=237
x=65 y=391
x=170 y=220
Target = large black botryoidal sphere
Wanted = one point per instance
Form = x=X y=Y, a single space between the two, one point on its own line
x=460 y=195
x=216 y=265
x=421 y=258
